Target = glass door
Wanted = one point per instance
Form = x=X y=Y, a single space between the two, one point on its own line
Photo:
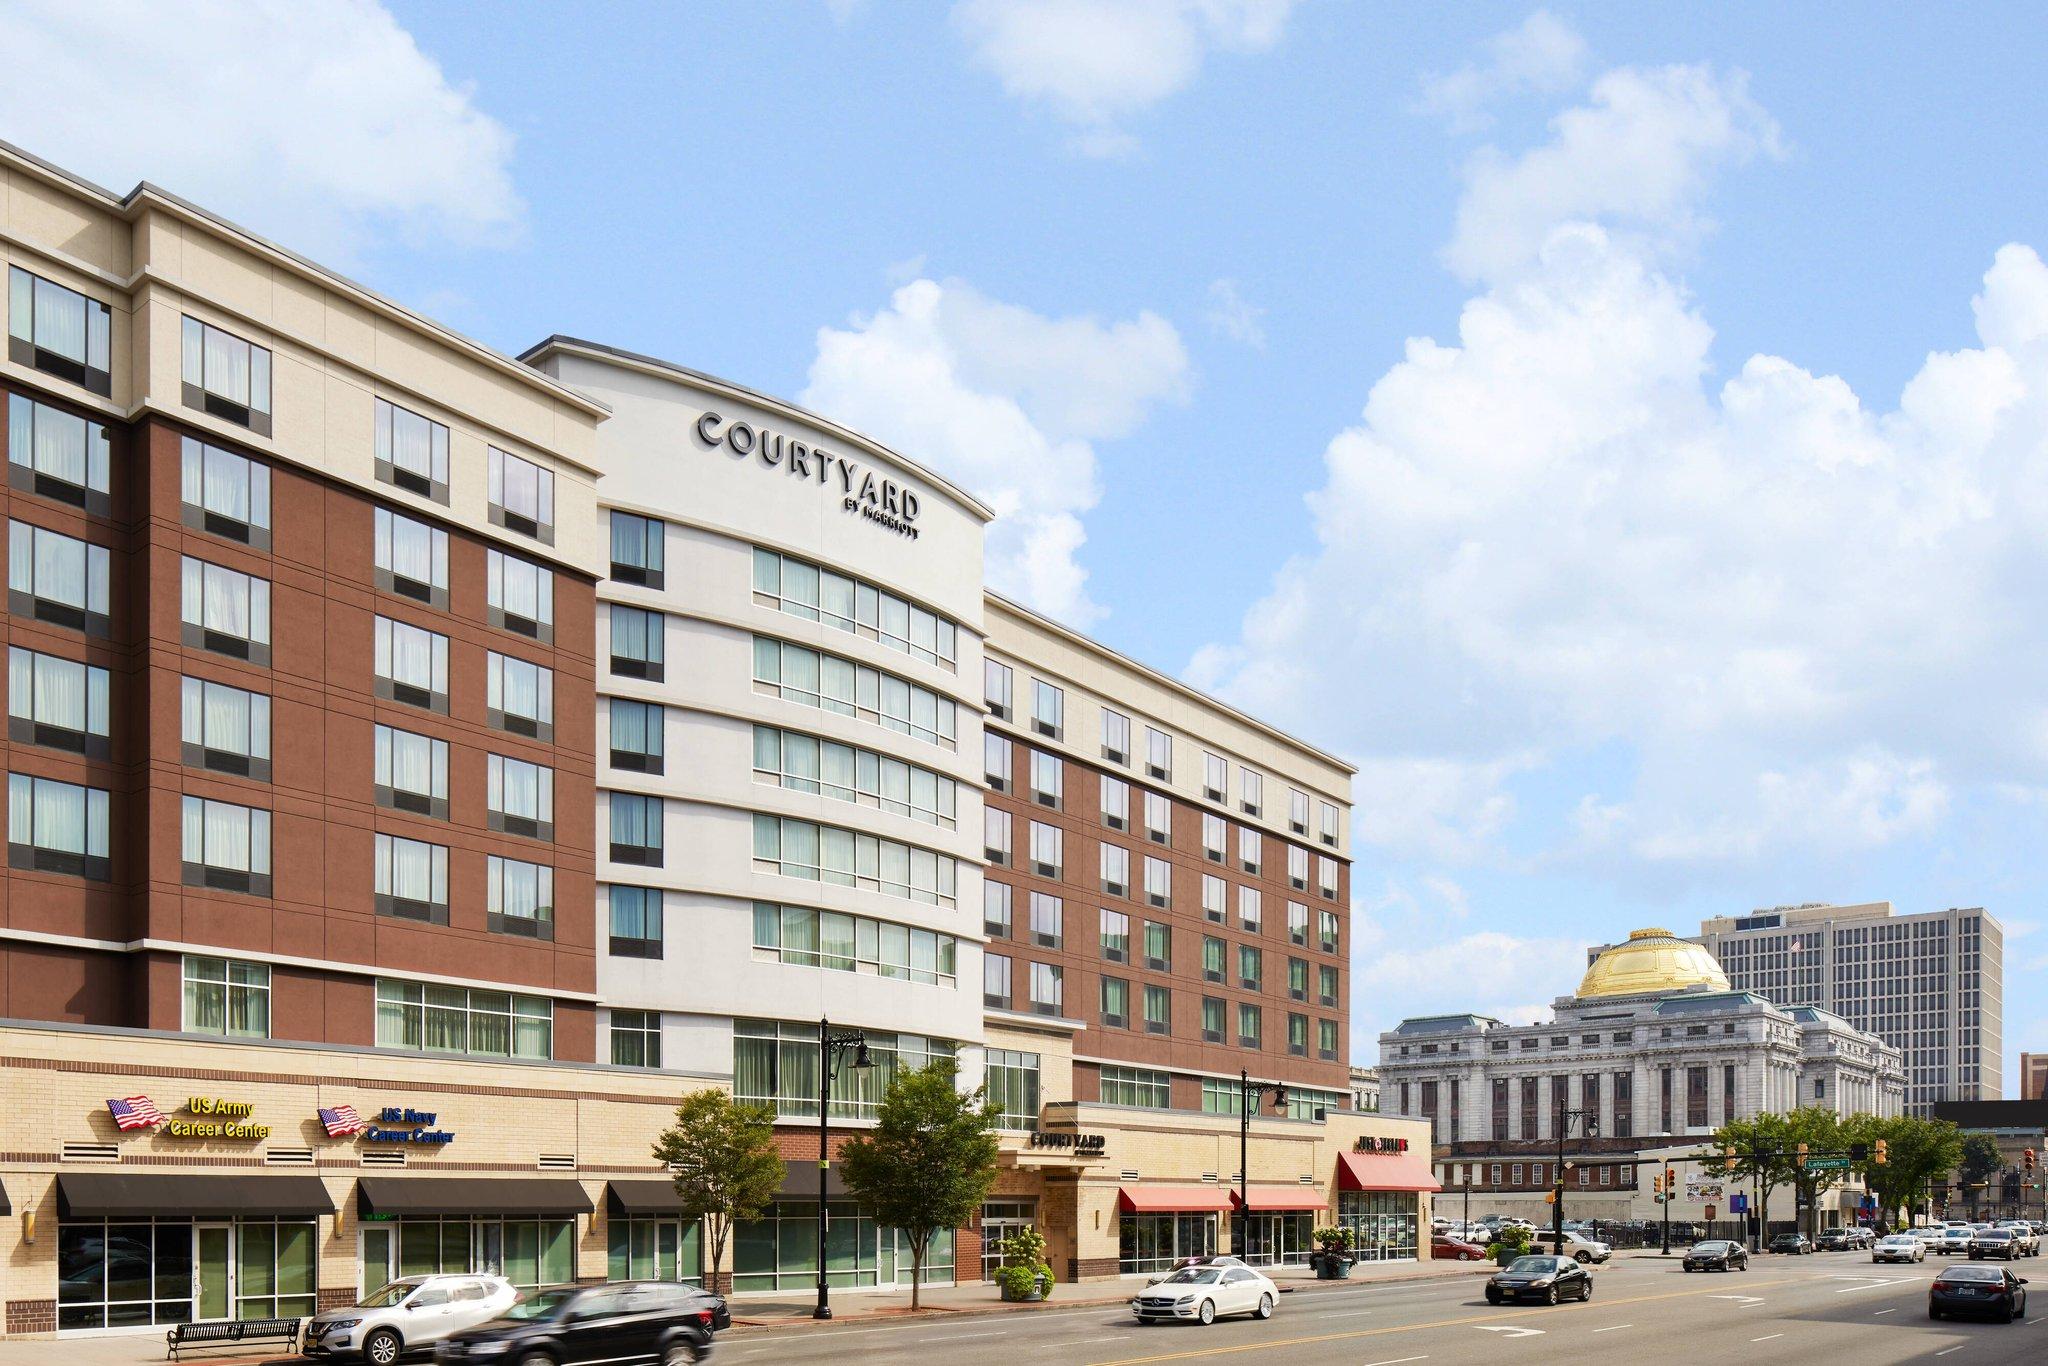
x=380 y=1248
x=885 y=1273
x=213 y=1271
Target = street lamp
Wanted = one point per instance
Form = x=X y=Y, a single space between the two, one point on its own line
x=1589 y=1123
x=830 y=1047
x=1249 y=1094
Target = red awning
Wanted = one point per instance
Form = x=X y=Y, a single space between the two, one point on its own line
x=1282 y=1199
x=1171 y=1199
x=1385 y=1172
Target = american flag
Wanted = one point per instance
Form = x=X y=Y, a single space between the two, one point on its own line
x=341 y=1121
x=136 y=1112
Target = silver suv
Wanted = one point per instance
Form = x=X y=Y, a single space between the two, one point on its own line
x=412 y=1311
x=1576 y=1246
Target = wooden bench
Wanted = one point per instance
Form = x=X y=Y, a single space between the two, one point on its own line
x=231 y=1332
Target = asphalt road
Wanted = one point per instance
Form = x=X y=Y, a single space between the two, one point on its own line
x=1816 y=1310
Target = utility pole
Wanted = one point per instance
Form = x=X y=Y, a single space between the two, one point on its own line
x=1589 y=1121
x=1249 y=1094
x=830 y=1046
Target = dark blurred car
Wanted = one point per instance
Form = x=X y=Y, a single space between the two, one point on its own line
x=1444 y=1248
x=1717 y=1255
x=1989 y=1290
x=659 y=1321
x=1546 y=1278
x=1795 y=1244
x=1994 y=1242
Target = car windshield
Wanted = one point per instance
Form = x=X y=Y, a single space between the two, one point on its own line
x=1710 y=1247
x=537 y=1304
x=1994 y=1235
x=1194 y=1275
x=1529 y=1266
x=1900 y=1240
x=388 y=1296
x=1971 y=1273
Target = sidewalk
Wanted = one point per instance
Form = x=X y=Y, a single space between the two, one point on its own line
x=752 y=1316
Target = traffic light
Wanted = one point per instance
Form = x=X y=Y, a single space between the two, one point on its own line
x=1728 y=1157
x=1670 y=1180
x=2027 y=1159
x=1550 y=1197
x=1879 y=1156
x=1657 y=1185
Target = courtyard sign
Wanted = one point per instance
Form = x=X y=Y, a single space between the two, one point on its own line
x=862 y=492
x=1084 y=1144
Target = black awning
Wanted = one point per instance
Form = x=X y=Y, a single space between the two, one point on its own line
x=6 y=1206
x=652 y=1196
x=800 y=1181
x=112 y=1195
x=386 y=1196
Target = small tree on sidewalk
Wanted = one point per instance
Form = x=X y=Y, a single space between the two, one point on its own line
x=725 y=1164
x=930 y=1161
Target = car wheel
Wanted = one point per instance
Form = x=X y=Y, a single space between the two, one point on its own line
x=1582 y=1257
x=1265 y=1309
x=1586 y=1295
x=682 y=1352
x=382 y=1347
x=1932 y=1312
x=1550 y=1296
x=1688 y=1270
x=1492 y=1296
x=1207 y=1313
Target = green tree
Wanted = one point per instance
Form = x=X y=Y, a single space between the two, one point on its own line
x=725 y=1163
x=1977 y=1164
x=930 y=1160
x=1821 y=1131
x=1920 y=1152
x=1763 y=1156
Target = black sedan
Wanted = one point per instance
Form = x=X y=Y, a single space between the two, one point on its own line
x=1993 y=1291
x=658 y=1321
x=1717 y=1255
x=1795 y=1244
x=1543 y=1279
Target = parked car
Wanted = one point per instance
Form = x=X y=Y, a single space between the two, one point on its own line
x=410 y=1312
x=570 y=1325
x=1445 y=1248
x=1989 y=1290
x=1210 y=1259
x=1576 y=1246
x=1900 y=1247
x=1545 y=1278
x=1717 y=1254
x=1995 y=1242
x=1952 y=1239
x=1201 y=1294
x=1796 y=1244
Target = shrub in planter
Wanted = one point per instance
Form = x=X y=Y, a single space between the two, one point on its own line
x=1025 y=1274
x=1331 y=1261
x=1511 y=1242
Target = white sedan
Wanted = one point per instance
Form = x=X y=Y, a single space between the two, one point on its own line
x=1201 y=1293
x=1900 y=1247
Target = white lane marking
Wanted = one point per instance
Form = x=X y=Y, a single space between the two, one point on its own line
x=958 y=1337
x=1882 y=1312
x=1957 y=1348
x=1614 y=1328
x=1351 y=1314
x=1396 y=1361
x=1767 y=1337
x=1509 y=1329
x=1745 y=1299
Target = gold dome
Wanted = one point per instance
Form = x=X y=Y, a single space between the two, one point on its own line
x=1652 y=961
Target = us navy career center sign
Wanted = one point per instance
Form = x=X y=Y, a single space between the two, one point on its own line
x=1373 y=1143
x=419 y=1127
x=861 y=491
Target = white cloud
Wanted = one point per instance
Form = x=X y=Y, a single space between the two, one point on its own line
x=316 y=122
x=1007 y=403
x=1235 y=316
x=1488 y=971
x=1541 y=55
x=1094 y=62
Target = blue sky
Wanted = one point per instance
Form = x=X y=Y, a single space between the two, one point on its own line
x=1618 y=428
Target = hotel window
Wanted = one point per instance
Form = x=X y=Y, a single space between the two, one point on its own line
x=1297 y=811
x=776 y=1064
x=1158 y=882
x=1297 y=867
x=226 y=612
x=412 y=879
x=637 y=549
x=520 y=797
x=637 y=642
x=1013 y=1086
x=1116 y=870
x=411 y=772
x=1158 y=946
x=1221 y=1096
x=997 y=686
x=1048 y=989
x=1213 y=959
x=1116 y=803
x=522 y=496
x=61 y=580
x=519 y=897
x=802 y=589
x=60 y=703
x=519 y=697
x=1250 y=967
x=520 y=596
x=226 y=847
x=846 y=858
x=1138 y=1086
x=996 y=761
x=1215 y=837
x=55 y=455
x=997 y=902
x=1158 y=1010
x=1326 y=931
x=1327 y=826
x=412 y=558
x=1047 y=850
x=1249 y=1026
x=435 y=1019
x=1251 y=792
x=224 y=494
x=1326 y=878
x=1326 y=985
x=55 y=827
x=1214 y=1019
x=1250 y=850
x=1297 y=979
x=1116 y=1003
x=636 y=829
x=1048 y=780
x=995 y=836
x=1297 y=1035
x=1297 y=923
x=638 y=735
x=845 y=773
x=636 y=929
x=995 y=981
x=1215 y=777
x=1158 y=755
x=411 y=451
x=1250 y=909
x=1158 y=818
x=59 y=331
x=1048 y=920
x=838 y=685
x=226 y=377
x=1048 y=709
x=1214 y=891
x=411 y=665
x=636 y=1038
x=1116 y=936
x=1116 y=736
x=1326 y=1041
x=227 y=997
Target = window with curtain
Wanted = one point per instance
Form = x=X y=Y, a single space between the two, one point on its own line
x=1297 y=811
x=1013 y=1086
x=224 y=493
x=1297 y=979
x=522 y=496
x=57 y=578
x=1047 y=849
x=1215 y=836
x=57 y=827
x=997 y=688
x=1297 y=867
x=1215 y=965
x=830 y=683
x=1048 y=988
x=1326 y=931
x=1158 y=1010
x=636 y=1038
x=1214 y=892
x=1297 y=1035
x=1326 y=985
x=418 y=1018
x=59 y=331
x=849 y=773
x=776 y=1064
x=1250 y=967
x=1140 y=1086
x=1250 y=908
x=1048 y=709
x=848 y=858
x=637 y=645
x=1326 y=822
x=811 y=938
x=519 y=797
x=225 y=376
x=1116 y=1003
x=1115 y=935
x=1252 y=792
x=1297 y=923
x=411 y=451
x=1249 y=848
x=1158 y=754
x=411 y=772
x=996 y=908
x=226 y=846
x=519 y=595
x=226 y=611
x=1116 y=736
x=1326 y=878
x=1326 y=1040
x=411 y=879
x=996 y=760
x=1158 y=818
x=1158 y=946
x=637 y=551
x=636 y=825
x=637 y=734
x=635 y=921
x=1158 y=882
x=995 y=981
x=1213 y=1020
x=1048 y=921
x=996 y=838
x=411 y=558
x=1048 y=779
x=1248 y=1026
x=1115 y=802
x=519 y=897
x=806 y=590
x=57 y=455
x=57 y=703
x=411 y=665
x=519 y=696
x=1116 y=869
x=226 y=996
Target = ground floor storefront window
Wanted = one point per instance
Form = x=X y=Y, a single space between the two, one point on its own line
x=780 y=1251
x=526 y=1252
x=1382 y=1224
x=133 y=1272
x=1151 y=1242
x=1000 y=1219
x=654 y=1250
x=1279 y=1239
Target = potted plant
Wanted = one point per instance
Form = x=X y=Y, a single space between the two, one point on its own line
x=1331 y=1260
x=1511 y=1242
x=1025 y=1275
